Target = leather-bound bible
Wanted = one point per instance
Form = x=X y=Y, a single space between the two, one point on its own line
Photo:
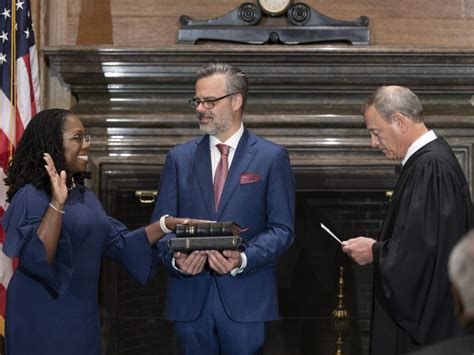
x=188 y=244
x=206 y=236
x=213 y=229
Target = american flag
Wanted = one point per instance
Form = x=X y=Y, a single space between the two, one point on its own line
x=19 y=102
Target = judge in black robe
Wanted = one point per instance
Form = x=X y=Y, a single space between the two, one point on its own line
x=430 y=210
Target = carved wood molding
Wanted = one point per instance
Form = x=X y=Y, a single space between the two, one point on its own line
x=295 y=65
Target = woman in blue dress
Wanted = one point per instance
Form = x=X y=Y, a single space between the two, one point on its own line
x=59 y=231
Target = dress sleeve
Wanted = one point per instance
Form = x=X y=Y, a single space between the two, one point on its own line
x=21 y=223
x=411 y=266
x=131 y=249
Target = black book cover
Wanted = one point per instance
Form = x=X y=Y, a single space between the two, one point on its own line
x=213 y=229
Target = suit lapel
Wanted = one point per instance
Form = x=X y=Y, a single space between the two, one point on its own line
x=203 y=170
x=243 y=156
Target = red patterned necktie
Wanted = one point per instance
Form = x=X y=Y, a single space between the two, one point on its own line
x=221 y=173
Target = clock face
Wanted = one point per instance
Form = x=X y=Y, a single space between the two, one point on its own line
x=274 y=7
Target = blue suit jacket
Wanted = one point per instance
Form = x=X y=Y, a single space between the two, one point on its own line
x=265 y=206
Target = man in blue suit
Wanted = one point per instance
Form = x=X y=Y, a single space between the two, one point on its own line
x=219 y=302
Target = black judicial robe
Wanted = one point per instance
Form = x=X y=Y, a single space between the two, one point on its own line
x=430 y=211
x=463 y=345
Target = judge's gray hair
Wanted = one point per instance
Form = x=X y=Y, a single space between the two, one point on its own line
x=237 y=81
x=461 y=270
x=389 y=100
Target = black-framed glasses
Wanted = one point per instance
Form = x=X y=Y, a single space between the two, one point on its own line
x=81 y=139
x=207 y=103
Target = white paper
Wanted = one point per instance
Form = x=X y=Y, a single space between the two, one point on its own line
x=330 y=233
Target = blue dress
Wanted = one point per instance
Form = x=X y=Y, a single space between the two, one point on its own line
x=52 y=309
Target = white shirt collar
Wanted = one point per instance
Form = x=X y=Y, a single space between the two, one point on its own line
x=233 y=140
x=419 y=143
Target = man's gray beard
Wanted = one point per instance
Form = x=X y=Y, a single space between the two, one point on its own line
x=215 y=129
x=212 y=131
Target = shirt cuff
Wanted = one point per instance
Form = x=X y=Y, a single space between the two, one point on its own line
x=242 y=267
x=173 y=263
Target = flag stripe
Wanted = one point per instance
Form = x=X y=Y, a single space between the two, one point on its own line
x=19 y=102
x=25 y=93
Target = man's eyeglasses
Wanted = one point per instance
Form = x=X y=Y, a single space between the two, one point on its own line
x=207 y=103
x=81 y=139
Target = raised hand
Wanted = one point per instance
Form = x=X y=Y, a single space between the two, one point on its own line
x=59 y=190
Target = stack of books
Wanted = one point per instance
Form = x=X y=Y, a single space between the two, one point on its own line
x=206 y=236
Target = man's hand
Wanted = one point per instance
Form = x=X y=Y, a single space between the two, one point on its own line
x=225 y=262
x=193 y=263
x=359 y=249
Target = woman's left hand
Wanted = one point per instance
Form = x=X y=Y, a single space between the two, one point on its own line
x=59 y=190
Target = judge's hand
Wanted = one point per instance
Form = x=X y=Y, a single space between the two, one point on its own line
x=224 y=262
x=193 y=263
x=359 y=249
x=58 y=182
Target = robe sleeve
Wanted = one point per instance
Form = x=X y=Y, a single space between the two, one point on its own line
x=411 y=265
x=131 y=249
x=21 y=222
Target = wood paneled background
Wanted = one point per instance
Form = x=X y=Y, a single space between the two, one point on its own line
x=151 y=23
x=154 y=23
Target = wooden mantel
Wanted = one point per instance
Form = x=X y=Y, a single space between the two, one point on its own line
x=134 y=102
x=310 y=69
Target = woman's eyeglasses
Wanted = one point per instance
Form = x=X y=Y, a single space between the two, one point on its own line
x=81 y=139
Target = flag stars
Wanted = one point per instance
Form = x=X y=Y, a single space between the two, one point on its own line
x=4 y=37
x=19 y=4
x=6 y=13
x=3 y=58
x=27 y=33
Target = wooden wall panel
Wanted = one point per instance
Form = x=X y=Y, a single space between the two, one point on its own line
x=393 y=9
x=444 y=33
x=72 y=30
x=95 y=23
x=468 y=6
x=146 y=32
x=204 y=8
x=74 y=7
x=404 y=23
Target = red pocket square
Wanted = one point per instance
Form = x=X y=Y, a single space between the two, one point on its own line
x=248 y=178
